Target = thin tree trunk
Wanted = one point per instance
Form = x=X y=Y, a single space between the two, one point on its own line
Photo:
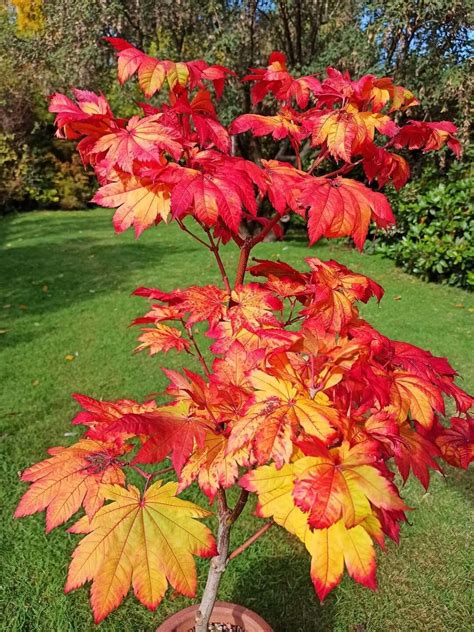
x=217 y=567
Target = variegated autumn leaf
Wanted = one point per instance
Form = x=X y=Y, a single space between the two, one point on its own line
x=276 y=79
x=232 y=369
x=177 y=428
x=264 y=337
x=329 y=548
x=343 y=485
x=206 y=196
x=100 y=415
x=337 y=546
x=379 y=91
x=139 y=201
x=414 y=395
x=142 y=139
x=341 y=207
x=456 y=442
x=162 y=338
x=70 y=114
x=382 y=165
x=142 y=542
x=413 y=451
x=429 y=136
x=206 y=302
x=280 y=413
x=72 y=477
x=339 y=129
x=282 y=125
x=204 y=117
x=284 y=185
x=152 y=71
x=212 y=467
x=252 y=306
x=331 y=292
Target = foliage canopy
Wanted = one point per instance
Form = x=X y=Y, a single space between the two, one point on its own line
x=304 y=403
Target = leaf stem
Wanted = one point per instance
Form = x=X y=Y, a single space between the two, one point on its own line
x=198 y=350
x=344 y=169
x=318 y=160
x=190 y=232
x=214 y=248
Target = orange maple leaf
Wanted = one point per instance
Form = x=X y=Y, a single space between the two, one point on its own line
x=341 y=207
x=280 y=413
x=140 y=541
x=142 y=139
x=329 y=548
x=212 y=467
x=343 y=485
x=415 y=395
x=162 y=338
x=139 y=201
x=71 y=478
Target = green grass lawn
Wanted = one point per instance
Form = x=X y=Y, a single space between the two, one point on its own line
x=65 y=285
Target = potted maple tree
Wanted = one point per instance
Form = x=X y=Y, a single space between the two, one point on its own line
x=300 y=401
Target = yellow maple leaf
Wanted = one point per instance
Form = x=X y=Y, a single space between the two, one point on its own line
x=281 y=411
x=329 y=548
x=139 y=541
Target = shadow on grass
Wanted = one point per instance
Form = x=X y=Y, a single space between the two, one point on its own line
x=279 y=589
x=57 y=271
x=462 y=481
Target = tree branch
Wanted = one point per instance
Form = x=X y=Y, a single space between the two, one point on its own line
x=253 y=538
x=239 y=506
x=186 y=230
x=215 y=250
x=198 y=350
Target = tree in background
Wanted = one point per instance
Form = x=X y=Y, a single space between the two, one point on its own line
x=48 y=46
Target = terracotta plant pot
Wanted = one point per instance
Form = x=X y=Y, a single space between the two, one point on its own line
x=183 y=621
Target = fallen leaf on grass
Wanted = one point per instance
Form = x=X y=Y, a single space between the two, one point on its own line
x=397 y=298
x=69 y=357
x=4 y=331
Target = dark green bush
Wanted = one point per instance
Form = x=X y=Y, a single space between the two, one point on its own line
x=434 y=234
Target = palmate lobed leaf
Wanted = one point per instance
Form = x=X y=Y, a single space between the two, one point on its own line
x=71 y=478
x=343 y=207
x=139 y=203
x=161 y=338
x=329 y=491
x=144 y=542
x=330 y=548
x=178 y=429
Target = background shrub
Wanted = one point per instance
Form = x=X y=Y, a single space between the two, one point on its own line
x=434 y=234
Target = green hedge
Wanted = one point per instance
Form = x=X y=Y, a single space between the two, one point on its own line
x=434 y=234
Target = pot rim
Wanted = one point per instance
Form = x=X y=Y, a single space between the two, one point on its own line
x=182 y=620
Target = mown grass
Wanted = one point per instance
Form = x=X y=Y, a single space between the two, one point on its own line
x=65 y=284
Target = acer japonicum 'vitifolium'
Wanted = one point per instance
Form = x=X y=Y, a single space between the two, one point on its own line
x=304 y=403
